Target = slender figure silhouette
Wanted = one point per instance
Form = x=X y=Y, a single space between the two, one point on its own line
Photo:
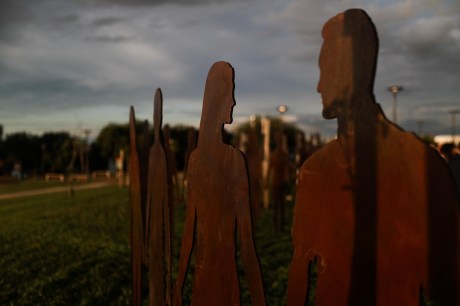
x=218 y=206
x=159 y=235
x=136 y=220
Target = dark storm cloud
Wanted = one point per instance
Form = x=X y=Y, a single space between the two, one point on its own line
x=13 y=14
x=106 y=21
x=156 y=2
x=109 y=39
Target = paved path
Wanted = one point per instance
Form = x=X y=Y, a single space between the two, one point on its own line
x=29 y=193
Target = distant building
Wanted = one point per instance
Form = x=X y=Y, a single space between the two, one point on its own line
x=442 y=139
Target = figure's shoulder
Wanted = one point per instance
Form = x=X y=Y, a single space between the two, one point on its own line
x=327 y=154
x=235 y=153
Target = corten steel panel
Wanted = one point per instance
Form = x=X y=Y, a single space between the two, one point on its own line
x=136 y=232
x=159 y=241
x=376 y=206
x=144 y=169
x=218 y=206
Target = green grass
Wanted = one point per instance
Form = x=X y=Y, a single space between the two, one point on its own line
x=56 y=250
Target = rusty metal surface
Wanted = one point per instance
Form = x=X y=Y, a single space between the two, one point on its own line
x=278 y=179
x=144 y=168
x=159 y=231
x=376 y=206
x=218 y=205
x=136 y=224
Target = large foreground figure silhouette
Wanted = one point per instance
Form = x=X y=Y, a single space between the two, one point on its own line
x=376 y=206
x=218 y=206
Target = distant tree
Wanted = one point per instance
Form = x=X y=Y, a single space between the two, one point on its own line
x=113 y=138
x=290 y=130
x=179 y=145
x=21 y=148
x=428 y=139
x=57 y=150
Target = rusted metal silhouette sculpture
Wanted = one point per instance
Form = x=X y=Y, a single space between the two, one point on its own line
x=191 y=145
x=278 y=179
x=144 y=172
x=218 y=206
x=301 y=153
x=254 y=157
x=172 y=179
x=136 y=220
x=159 y=231
x=376 y=206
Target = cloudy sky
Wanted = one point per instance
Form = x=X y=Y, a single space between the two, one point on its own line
x=79 y=64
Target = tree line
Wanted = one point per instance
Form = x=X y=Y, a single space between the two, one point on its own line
x=65 y=153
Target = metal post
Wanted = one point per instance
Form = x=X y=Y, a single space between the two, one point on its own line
x=453 y=113
x=394 y=89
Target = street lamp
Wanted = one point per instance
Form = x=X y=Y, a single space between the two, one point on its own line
x=420 y=127
x=453 y=113
x=282 y=109
x=394 y=89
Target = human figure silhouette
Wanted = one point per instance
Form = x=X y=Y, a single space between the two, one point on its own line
x=144 y=176
x=136 y=215
x=218 y=206
x=278 y=180
x=376 y=206
x=159 y=235
x=254 y=156
x=172 y=179
x=300 y=151
x=191 y=145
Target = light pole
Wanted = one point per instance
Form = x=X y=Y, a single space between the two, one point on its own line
x=453 y=113
x=394 y=89
x=420 y=127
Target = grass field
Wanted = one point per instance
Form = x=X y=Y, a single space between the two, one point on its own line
x=57 y=250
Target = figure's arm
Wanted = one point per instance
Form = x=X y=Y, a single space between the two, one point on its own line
x=148 y=207
x=147 y=228
x=185 y=250
x=248 y=250
x=167 y=239
x=298 y=279
x=299 y=268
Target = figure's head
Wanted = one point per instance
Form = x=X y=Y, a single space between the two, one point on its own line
x=157 y=111
x=219 y=98
x=347 y=61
